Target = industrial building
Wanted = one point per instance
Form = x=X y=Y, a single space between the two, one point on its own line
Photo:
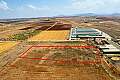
x=107 y=46
x=78 y=33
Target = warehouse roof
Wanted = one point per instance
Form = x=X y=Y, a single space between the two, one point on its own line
x=85 y=30
x=109 y=48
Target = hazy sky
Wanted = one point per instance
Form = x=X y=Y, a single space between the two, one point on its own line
x=39 y=8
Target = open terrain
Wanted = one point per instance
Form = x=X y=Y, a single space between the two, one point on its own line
x=32 y=59
x=61 y=60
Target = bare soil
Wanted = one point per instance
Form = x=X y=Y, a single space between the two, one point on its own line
x=30 y=69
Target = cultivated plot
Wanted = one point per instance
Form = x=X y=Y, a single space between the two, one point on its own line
x=57 y=62
x=6 y=45
x=59 y=52
x=51 y=36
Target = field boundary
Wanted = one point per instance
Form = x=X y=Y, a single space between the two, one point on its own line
x=96 y=61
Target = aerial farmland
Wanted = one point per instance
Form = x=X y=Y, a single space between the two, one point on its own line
x=59 y=39
x=41 y=49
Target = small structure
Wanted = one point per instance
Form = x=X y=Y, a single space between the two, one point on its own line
x=109 y=49
x=116 y=58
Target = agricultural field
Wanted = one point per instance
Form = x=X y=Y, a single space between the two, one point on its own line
x=29 y=69
x=52 y=63
x=51 y=35
x=24 y=35
x=11 y=31
x=30 y=61
x=58 y=26
x=60 y=52
x=6 y=46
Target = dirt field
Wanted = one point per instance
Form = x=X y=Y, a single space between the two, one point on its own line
x=6 y=46
x=30 y=71
x=56 y=27
x=8 y=30
x=51 y=36
x=62 y=52
x=36 y=69
x=61 y=26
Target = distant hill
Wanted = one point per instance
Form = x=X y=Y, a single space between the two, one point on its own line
x=115 y=14
x=64 y=16
x=90 y=14
x=86 y=14
x=93 y=14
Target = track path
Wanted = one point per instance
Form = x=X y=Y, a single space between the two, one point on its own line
x=51 y=26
